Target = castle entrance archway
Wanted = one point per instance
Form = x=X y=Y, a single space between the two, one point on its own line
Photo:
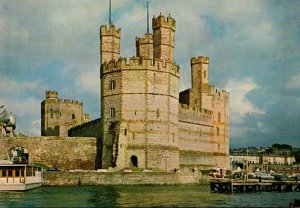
x=134 y=161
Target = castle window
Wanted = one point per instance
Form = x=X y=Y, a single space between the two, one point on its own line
x=73 y=116
x=112 y=112
x=157 y=112
x=204 y=74
x=218 y=131
x=112 y=85
x=219 y=116
x=125 y=132
x=51 y=115
x=59 y=113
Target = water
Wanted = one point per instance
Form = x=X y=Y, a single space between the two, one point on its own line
x=141 y=196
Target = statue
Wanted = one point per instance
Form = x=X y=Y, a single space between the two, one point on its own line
x=7 y=125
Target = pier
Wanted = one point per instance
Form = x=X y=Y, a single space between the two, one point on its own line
x=240 y=186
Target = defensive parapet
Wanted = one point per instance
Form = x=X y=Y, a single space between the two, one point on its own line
x=51 y=95
x=70 y=102
x=110 y=31
x=162 y=21
x=200 y=59
x=217 y=93
x=136 y=63
x=195 y=115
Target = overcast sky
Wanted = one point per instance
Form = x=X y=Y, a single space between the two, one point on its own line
x=253 y=48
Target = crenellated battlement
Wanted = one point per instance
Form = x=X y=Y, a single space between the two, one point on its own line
x=144 y=40
x=136 y=63
x=162 y=21
x=200 y=59
x=72 y=102
x=51 y=95
x=187 y=112
x=110 y=31
x=218 y=93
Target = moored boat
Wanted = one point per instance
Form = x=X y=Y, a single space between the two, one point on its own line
x=19 y=177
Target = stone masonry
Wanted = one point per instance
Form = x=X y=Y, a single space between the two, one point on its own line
x=58 y=116
x=146 y=122
x=61 y=152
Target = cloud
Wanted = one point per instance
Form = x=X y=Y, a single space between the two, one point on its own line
x=293 y=82
x=238 y=89
x=11 y=87
x=35 y=128
x=54 y=44
x=88 y=82
x=27 y=107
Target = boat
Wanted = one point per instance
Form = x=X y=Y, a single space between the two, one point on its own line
x=19 y=177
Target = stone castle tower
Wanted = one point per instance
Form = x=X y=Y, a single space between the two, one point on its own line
x=140 y=100
x=58 y=116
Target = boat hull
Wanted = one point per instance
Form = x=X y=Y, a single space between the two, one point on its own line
x=19 y=187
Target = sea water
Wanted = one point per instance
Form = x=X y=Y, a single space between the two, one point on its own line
x=141 y=196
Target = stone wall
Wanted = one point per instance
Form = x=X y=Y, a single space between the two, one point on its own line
x=133 y=178
x=109 y=43
x=90 y=129
x=61 y=152
x=59 y=115
x=145 y=100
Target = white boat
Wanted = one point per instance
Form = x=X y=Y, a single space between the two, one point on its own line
x=19 y=177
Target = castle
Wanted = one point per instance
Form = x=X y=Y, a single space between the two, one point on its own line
x=58 y=116
x=145 y=121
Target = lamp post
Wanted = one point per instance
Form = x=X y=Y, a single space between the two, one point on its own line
x=247 y=166
x=166 y=155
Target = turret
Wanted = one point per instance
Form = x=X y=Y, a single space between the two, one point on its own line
x=199 y=67
x=51 y=95
x=163 y=37
x=109 y=43
x=144 y=46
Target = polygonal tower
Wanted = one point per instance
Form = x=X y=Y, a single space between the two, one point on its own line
x=199 y=67
x=140 y=107
x=163 y=37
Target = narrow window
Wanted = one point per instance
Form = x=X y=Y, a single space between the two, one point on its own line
x=51 y=115
x=219 y=116
x=157 y=112
x=112 y=112
x=10 y=173
x=3 y=173
x=112 y=84
x=73 y=116
x=125 y=132
x=204 y=74
x=218 y=131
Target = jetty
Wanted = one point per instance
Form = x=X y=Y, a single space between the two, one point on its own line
x=241 y=186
